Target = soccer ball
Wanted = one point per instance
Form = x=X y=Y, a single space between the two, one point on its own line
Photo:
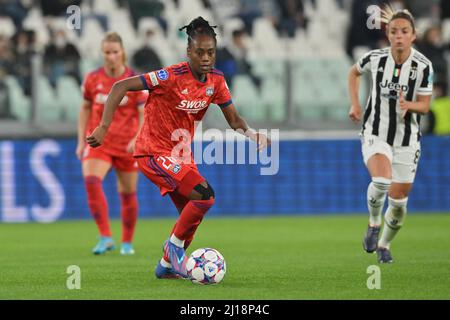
x=206 y=266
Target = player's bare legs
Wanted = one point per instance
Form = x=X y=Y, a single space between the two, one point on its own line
x=380 y=170
x=126 y=186
x=94 y=171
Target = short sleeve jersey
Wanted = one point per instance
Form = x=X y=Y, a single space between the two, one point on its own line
x=177 y=100
x=124 y=126
x=383 y=116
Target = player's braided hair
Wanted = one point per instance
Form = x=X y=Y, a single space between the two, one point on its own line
x=197 y=27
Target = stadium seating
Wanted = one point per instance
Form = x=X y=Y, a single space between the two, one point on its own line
x=89 y=64
x=247 y=99
x=35 y=21
x=89 y=42
x=48 y=107
x=69 y=98
x=20 y=104
x=446 y=30
x=315 y=55
x=272 y=96
x=8 y=28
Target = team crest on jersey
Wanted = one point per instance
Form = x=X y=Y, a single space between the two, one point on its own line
x=209 y=91
x=176 y=168
x=413 y=73
x=162 y=74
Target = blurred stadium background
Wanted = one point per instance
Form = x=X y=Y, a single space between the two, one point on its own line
x=286 y=62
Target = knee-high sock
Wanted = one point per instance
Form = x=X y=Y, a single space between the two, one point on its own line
x=393 y=220
x=376 y=196
x=190 y=218
x=98 y=205
x=129 y=214
x=180 y=202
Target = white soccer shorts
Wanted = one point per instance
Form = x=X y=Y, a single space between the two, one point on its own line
x=404 y=160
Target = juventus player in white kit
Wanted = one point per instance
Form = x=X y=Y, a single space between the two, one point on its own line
x=401 y=93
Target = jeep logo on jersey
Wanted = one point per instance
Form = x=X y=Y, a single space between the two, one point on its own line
x=192 y=106
x=394 y=86
x=100 y=98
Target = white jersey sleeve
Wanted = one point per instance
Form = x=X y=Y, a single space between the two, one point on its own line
x=426 y=81
x=363 y=65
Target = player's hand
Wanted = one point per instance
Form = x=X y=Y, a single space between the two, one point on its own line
x=262 y=140
x=130 y=146
x=96 y=138
x=80 y=149
x=404 y=105
x=355 y=113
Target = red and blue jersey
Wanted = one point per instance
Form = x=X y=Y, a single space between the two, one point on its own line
x=176 y=101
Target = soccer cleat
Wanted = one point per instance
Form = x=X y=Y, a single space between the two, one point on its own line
x=126 y=249
x=177 y=258
x=104 y=244
x=165 y=273
x=370 y=242
x=384 y=255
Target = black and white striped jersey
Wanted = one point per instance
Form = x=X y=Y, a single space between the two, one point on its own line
x=383 y=115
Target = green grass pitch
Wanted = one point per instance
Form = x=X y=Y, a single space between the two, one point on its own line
x=313 y=257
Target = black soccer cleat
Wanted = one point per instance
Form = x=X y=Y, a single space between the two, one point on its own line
x=384 y=255
x=370 y=242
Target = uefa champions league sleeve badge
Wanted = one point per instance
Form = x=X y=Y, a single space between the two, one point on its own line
x=162 y=74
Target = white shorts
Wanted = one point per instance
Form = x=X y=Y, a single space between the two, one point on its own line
x=404 y=160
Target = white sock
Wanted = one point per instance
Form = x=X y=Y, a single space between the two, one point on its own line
x=394 y=217
x=376 y=196
x=176 y=241
x=165 y=264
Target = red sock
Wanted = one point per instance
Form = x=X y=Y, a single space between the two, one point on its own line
x=180 y=202
x=129 y=213
x=189 y=219
x=98 y=205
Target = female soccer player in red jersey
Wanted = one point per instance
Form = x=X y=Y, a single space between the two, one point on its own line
x=117 y=147
x=179 y=96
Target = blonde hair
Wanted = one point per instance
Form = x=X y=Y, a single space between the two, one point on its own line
x=388 y=14
x=113 y=36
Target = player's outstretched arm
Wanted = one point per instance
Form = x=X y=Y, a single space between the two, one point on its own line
x=353 y=88
x=118 y=91
x=239 y=124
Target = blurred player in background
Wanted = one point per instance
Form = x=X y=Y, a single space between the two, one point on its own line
x=116 y=151
x=402 y=81
x=179 y=95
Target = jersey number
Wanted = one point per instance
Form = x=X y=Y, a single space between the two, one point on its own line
x=167 y=162
x=417 y=156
